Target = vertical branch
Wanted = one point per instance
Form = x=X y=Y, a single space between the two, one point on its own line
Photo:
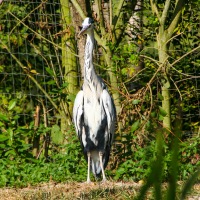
x=165 y=12
x=36 y=137
x=111 y=12
x=101 y=17
x=68 y=61
x=47 y=136
x=154 y=9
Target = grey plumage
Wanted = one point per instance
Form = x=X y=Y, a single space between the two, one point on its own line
x=94 y=112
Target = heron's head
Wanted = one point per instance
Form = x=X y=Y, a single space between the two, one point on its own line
x=87 y=26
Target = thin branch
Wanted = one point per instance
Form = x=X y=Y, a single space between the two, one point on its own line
x=117 y=13
x=78 y=9
x=176 y=16
x=173 y=37
x=165 y=12
x=40 y=36
x=155 y=8
x=151 y=107
x=169 y=131
x=176 y=61
x=27 y=16
x=191 y=77
x=156 y=61
x=101 y=18
x=30 y=76
x=111 y=12
x=176 y=88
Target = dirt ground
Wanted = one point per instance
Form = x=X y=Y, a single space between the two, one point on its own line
x=53 y=191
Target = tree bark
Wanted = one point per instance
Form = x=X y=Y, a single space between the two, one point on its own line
x=165 y=32
x=68 y=62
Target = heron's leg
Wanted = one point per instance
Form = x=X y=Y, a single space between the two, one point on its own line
x=88 y=175
x=101 y=164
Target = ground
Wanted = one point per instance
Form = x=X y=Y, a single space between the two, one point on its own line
x=74 y=190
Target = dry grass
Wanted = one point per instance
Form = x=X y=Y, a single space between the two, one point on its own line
x=74 y=190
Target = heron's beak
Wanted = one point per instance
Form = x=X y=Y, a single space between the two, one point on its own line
x=84 y=29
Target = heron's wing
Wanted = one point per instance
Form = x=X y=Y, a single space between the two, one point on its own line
x=78 y=113
x=110 y=113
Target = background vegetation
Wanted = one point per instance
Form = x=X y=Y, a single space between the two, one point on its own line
x=148 y=54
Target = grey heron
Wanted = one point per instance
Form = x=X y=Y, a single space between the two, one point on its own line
x=94 y=112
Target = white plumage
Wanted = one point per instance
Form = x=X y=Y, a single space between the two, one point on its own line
x=94 y=112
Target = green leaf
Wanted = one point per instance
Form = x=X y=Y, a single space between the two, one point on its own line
x=51 y=82
x=162 y=111
x=10 y=132
x=56 y=134
x=12 y=104
x=49 y=71
x=10 y=152
x=189 y=183
x=153 y=114
x=135 y=126
x=160 y=96
x=71 y=97
x=3 y=118
x=33 y=71
x=136 y=101
x=3 y=138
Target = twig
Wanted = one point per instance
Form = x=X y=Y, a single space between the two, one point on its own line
x=30 y=76
x=176 y=88
x=26 y=16
x=176 y=61
x=40 y=36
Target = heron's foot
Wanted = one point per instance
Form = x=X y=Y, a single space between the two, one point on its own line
x=88 y=181
x=104 y=180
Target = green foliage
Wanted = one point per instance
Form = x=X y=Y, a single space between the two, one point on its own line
x=68 y=165
x=155 y=177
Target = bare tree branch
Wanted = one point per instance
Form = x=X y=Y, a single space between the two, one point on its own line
x=165 y=12
x=176 y=16
x=155 y=9
x=79 y=9
x=30 y=76
x=116 y=14
x=101 y=18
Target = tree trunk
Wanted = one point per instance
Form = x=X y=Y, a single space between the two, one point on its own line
x=163 y=60
x=68 y=63
x=113 y=80
x=167 y=25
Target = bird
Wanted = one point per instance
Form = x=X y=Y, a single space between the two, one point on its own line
x=94 y=112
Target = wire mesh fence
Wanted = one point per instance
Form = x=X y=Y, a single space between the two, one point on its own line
x=32 y=32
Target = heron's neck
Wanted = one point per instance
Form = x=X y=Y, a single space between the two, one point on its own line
x=88 y=65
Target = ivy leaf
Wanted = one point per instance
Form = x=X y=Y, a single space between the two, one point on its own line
x=160 y=96
x=135 y=126
x=12 y=104
x=162 y=111
x=4 y=118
